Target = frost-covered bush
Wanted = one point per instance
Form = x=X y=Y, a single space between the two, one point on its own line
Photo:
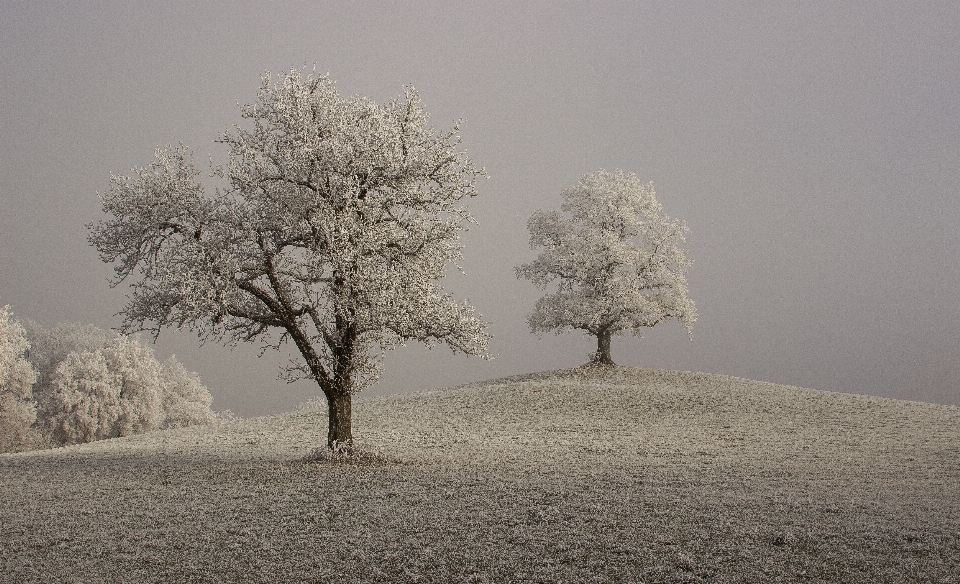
x=108 y=392
x=18 y=412
x=95 y=384
x=86 y=405
x=186 y=402
x=49 y=348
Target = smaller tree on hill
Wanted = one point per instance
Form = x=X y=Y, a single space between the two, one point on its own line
x=616 y=259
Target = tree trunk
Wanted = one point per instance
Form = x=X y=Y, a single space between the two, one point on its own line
x=340 y=433
x=603 y=348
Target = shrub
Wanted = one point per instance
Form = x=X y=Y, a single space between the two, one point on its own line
x=95 y=384
x=86 y=403
x=48 y=349
x=186 y=402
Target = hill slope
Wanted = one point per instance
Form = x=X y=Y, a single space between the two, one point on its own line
x=586 y=475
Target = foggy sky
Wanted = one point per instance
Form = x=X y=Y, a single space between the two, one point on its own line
x=813 y=150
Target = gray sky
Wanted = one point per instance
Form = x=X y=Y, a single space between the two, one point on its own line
x=812 y=149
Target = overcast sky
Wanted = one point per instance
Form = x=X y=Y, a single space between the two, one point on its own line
x=813 y=150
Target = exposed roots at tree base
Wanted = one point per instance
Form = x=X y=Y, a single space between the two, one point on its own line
x=594 y=370
x=596 y=362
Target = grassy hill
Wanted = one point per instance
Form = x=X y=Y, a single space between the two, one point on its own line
x=587 y=475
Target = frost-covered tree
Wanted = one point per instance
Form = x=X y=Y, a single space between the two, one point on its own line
x=106 y=393
x=95 y=384
x=338 y=219
x=17 y=408
x=86 y=405
x=185 y=401
x=49 y=348
x=617 y=262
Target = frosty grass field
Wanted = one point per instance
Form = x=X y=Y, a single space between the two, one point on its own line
x=586 y=475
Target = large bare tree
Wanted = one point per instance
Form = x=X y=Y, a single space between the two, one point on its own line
x=337 y=220
x=617 y=261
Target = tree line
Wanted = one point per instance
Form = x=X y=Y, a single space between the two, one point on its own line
x=78 y=383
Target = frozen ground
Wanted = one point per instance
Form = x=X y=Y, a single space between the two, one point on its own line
x=624 y=475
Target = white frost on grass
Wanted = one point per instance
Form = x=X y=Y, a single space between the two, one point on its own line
x=586 y=475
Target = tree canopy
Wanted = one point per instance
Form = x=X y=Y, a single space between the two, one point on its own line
x=616 y=259
x=18 y=411
x=338 y=219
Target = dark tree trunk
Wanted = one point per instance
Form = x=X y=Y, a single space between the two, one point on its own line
x=339 y=398
x=340 y=433
x=603 y=348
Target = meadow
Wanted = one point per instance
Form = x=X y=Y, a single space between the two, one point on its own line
x=594 y=474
